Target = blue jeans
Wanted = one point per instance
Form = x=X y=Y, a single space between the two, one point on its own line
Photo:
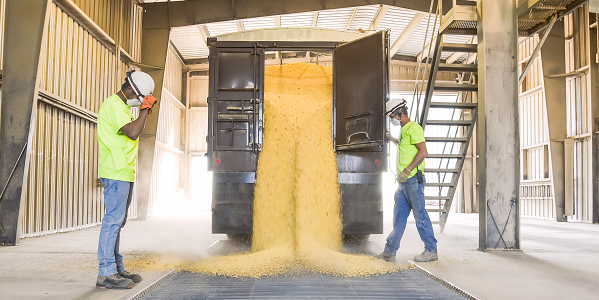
x=410 y=197
x=117 y=198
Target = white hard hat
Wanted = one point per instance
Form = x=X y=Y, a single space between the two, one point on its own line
x=141 y=82
x=394 y=104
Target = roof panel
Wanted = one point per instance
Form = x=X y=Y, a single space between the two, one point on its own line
x=189 y=42
x=396 y=20
x=222 y=28
x=259 y=23
x=416 y=41
x=334 y=18
x=364 y=17
x=297 y=20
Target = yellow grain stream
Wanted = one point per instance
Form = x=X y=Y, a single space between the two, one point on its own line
x=297 y=223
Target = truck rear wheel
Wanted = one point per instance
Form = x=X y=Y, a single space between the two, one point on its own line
x=240 y=238
x=355 y=238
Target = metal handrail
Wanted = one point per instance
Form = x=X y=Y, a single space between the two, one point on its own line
x=417 y=94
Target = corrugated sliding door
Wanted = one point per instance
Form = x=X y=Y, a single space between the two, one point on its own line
x=62 y=187
x=77 y=72
x=167 y=194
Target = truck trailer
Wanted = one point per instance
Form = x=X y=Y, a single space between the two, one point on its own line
x=236 y=126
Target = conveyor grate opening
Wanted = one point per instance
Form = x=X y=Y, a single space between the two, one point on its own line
x=407 y=284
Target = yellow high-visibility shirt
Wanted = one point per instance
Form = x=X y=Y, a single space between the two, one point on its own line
x=411 y=134
x=117 y=152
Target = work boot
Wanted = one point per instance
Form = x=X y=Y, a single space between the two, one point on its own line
x=386 y=257
x=114 y=282
x=134 y=277
x=426 y=256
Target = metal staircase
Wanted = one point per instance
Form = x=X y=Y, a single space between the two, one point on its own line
x=449 y=125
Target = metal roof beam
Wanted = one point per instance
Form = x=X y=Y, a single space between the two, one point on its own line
x=315 y=19
x=351 y=19
x=425 y=52
x=240 y=26
x=403 y=37
x=193 y=12
x=379 y=17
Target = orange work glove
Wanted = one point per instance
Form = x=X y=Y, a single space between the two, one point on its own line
x=148 y=103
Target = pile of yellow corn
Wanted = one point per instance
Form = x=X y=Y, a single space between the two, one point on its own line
x=297 y=222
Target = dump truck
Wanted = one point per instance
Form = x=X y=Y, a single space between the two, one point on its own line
x=236 y=127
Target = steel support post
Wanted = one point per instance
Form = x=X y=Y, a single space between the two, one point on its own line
x=23 y=32
x=594 y=74
x=154 y=49
x=498 y=136
x=553 y=60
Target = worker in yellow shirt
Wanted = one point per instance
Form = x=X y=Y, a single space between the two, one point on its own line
x=411 y=152
x=117 y=142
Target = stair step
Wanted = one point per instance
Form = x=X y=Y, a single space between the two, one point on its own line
x=453 y=47
x=461 y=31
x=449 y=123
x=436 y=198
x=440 y=184
x=432 y=155
x=456 y=87
x=441 y=170
x=460 y=105
x=458 y=68
x=465 y=2
x=436 y=210
x=447 y=139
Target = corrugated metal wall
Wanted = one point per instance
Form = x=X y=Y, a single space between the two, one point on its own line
x=76 y=74
x=197 y=114
x=198 y=126
x=105 y=14
x=579 y=118
x=402 y=77
x=536 y=199
x=198 y=91
x=75 y=66
x=579 y=115
x=62 y=189
x=168 y=170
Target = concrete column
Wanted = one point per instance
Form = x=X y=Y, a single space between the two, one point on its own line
x=553 y=59
x=23 y=32
x=497 y=133
x=154 y=49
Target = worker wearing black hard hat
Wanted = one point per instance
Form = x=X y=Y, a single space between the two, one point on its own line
x=411 y=152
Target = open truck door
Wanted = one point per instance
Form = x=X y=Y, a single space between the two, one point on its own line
x=361 y=89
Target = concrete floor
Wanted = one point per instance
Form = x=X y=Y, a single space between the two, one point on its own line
x=559 y=260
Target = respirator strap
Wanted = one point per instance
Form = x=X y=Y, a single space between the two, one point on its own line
x=135 y=88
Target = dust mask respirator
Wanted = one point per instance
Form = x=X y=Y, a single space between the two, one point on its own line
x=134 y=102
x=395 y=122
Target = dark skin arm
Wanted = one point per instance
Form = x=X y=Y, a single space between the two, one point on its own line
x=134 y=129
